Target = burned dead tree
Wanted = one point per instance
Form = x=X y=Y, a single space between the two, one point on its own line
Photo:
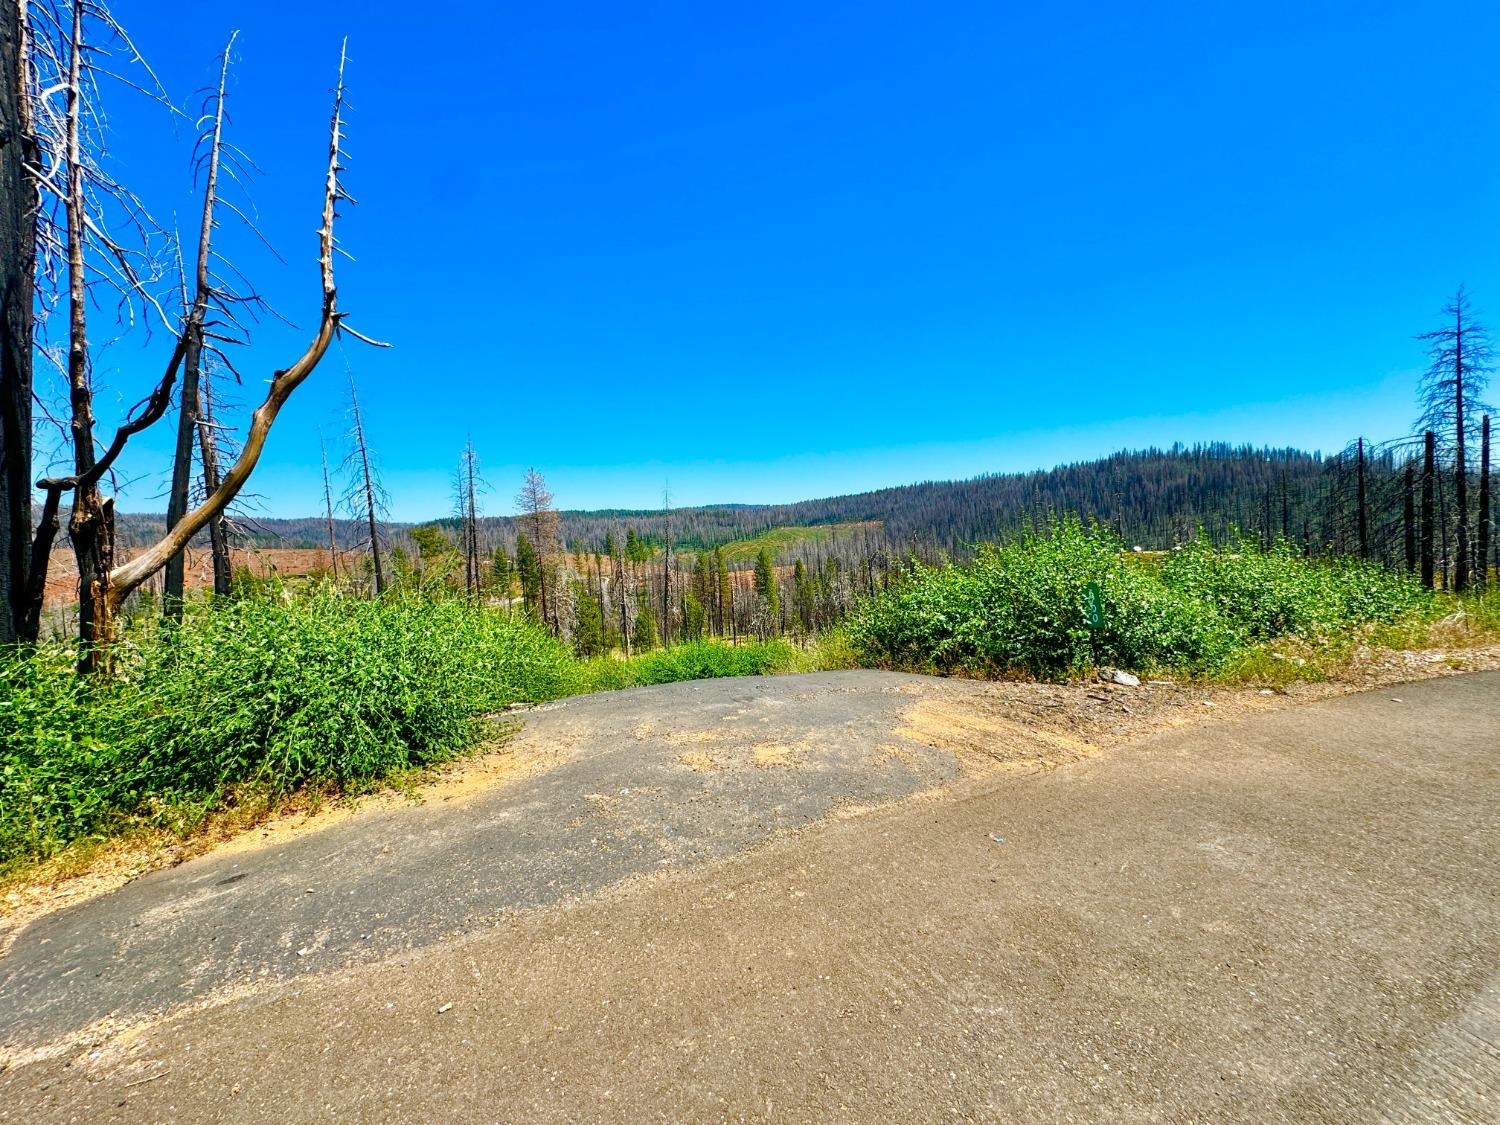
x=18 y=216
x=70 y=175
x=1429 y=481
x=333 y=541
x=467 y=484
x=1485 y=516
x=365 y=498
x=218 y=525
x=191 y=429
x=1461 y=363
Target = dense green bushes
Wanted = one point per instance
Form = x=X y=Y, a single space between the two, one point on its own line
x=268 y=692
x=1268 y=593
x=1021 y=606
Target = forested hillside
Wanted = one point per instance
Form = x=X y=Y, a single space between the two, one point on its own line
x=1153 y=497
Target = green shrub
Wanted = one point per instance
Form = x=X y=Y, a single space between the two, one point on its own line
x=1275 y=592
x=696 y=660
x=270 y=692
x=704 y=660
x=329 y=688
x=1021 y=607
x=61 y=774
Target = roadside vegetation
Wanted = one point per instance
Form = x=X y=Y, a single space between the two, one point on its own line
x=1199 y=610
x=282 y=691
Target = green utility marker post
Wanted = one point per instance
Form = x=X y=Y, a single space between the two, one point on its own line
x=1093 y=605
x=1093 y=612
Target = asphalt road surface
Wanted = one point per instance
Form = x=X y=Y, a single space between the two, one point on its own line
x=763 y=900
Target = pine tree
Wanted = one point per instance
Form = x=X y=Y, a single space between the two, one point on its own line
x=694 y=618
x=529 y=571
x=645 y=627
x=765 y=582
x=802 y=596
x=588 y=638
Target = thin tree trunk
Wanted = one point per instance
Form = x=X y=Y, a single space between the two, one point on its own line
x=1484 y=502
x=1429 y=479
x=666 y=580
x=1460 y=465
x=471 y=533
x=1364 y=511
x=189 y=432
x=369 y=490
x=90 y=524
x=175 y=577
x=1409 y=517
x=218 y=526
x=333 y=542
x=17 y=287
x=1446 y=563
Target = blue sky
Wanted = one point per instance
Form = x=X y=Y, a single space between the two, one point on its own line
x=813 y=248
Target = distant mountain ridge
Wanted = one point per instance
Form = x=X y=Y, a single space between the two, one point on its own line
x=1154 y=497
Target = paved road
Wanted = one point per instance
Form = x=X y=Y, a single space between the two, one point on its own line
x=1295 y=916
x=616 y=784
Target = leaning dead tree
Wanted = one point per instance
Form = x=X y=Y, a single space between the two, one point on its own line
x=73 y=178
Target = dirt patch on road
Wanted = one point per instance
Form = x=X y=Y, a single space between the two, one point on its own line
x=1048 y=725
x=1031 y=725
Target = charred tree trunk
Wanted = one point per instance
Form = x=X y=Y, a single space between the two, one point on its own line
x=1409 y=518
x=218 y=526
x=94 y=548
x=333 y=543
x=17 y=286
x=1445 y=561
x=189 y=428
x=1429 y=502
x=1361 y=501
x=1460 y=472
x=471 y=531
x=91 y=525
x=175 y=577
x=666 y=580
x=1483 y=577
x=370 y=508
